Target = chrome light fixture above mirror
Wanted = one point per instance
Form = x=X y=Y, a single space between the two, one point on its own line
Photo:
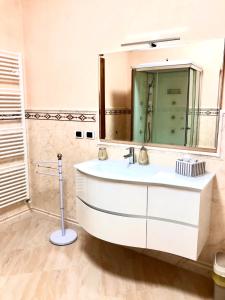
x=151 y=43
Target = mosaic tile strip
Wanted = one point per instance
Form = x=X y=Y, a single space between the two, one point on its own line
x=205 y=112
x=119 y=111
x=90 y=116
x=75 y=116
x=209 y=112
x=202 y=111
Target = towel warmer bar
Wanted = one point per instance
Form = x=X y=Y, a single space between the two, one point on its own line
x=13 y=184
x=13 y=147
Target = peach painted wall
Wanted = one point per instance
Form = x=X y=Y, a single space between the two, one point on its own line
x=11 y=34
x=63 y=39
x=117 y=80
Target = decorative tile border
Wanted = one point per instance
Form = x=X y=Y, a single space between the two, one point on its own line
x=62 y=115
x=209 y=112
x=90 y=116
x=201 y=112
x=205 y=112
x=118 y=111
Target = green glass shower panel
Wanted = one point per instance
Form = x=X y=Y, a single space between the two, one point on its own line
x=140 y=98
x=190 y=106
x=166 y=106
x=196 y=109
x=169 y=107
x=193 y=108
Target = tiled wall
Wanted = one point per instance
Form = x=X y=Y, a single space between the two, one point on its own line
x=47 y=136
x=118 y=124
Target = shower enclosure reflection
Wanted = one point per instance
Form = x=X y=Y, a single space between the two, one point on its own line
x=163 y=96
x=165 y=104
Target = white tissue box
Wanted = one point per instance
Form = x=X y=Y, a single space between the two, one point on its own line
x=190 y=168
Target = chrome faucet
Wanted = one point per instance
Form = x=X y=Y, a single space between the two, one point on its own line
x=130 y=155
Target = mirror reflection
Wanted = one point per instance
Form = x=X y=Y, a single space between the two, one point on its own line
x=163 y=96
x=165 y=102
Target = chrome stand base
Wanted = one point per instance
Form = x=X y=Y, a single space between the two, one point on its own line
x=58 y=239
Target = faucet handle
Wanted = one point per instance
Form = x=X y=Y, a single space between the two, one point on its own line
x=130 y=155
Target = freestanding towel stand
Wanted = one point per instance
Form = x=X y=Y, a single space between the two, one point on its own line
x=61 y=237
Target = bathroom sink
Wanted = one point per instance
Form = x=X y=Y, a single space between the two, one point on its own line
x=121 y=170
x=118 y=170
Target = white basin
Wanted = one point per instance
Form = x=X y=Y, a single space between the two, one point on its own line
x=118 y=169
x=153 y=174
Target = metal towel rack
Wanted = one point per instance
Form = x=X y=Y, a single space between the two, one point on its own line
x=13 y=147
x=46 y=165
x=61 y=237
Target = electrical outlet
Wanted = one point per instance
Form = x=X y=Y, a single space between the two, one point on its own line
x=90 y=135
x=79 y=134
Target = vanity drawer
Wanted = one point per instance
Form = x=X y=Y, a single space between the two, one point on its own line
x=173 y=238
x=174 y=204
x=127 y=231
x=112 y=196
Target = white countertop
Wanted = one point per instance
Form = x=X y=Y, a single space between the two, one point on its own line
x=150 y=174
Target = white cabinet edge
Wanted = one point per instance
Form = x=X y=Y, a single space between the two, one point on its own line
x=150 y=175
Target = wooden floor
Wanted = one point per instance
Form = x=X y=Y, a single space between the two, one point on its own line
x=31 y=268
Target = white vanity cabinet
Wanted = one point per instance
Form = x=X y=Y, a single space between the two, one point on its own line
x=178 y=220
x=123 y=230
x=149 y=212
x=113 y=211
x=112 y=196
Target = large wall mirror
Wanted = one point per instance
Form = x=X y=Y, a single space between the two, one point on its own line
x=163 y=96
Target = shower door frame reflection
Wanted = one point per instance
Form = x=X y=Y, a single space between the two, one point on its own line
x=185 y=118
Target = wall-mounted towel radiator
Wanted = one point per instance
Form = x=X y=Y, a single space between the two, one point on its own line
x=13 y=146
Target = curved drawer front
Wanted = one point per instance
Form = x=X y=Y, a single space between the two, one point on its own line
x=173 y=238
x=112 y=228
x=174 y=204
x=112 y=196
